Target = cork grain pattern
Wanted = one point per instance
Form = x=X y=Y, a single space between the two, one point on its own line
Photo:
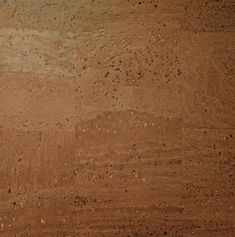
x=45 y=53
x=117 y=118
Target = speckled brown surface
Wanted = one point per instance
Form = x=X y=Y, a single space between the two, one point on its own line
x=117 y=118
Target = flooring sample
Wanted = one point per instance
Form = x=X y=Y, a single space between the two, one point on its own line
x=117 y=118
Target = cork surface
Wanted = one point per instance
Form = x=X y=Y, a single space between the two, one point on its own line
x=117 y=118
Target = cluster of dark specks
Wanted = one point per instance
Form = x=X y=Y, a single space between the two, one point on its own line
x=208 y=16
x=153 y=3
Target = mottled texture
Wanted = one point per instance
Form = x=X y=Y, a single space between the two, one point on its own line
x=117 y=118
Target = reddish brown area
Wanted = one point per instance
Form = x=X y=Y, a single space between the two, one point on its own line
x=117 y=118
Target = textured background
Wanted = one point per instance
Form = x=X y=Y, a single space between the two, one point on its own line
x=117 y=118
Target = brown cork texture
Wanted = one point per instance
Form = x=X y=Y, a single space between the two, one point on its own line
x=117 y=118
